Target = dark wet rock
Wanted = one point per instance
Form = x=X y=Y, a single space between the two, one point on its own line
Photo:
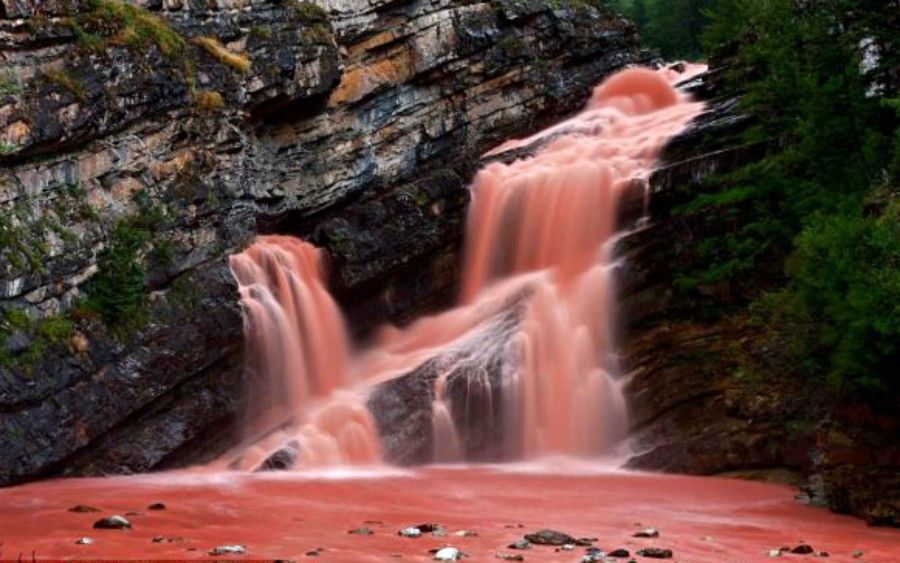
x=157 y=506
x=655 y=553
x=361 y=531
x=281 y=460
x=509 y=556
x=857 y=553
x=549 y=537
x=114 y=522
x=802 y=549
x=472 y=368
x=619 y=553
x=585 y=542
x=83 y=508
x=520 y=544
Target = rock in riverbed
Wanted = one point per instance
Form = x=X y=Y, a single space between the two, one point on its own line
x=114 y=522
x=655 y=553
x=82 y=508
x=157 y=506
x=228 y=550
x=549 y=537
x=647 y=533
x=448 y=554
x=802 y=549
x=520 y=544
x=509 y=556
x=84 y=541
x=619 y=553
x=361 y=531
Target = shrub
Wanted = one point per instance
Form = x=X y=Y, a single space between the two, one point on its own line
x=208 y=100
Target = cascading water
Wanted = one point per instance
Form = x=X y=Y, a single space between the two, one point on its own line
x=539 y=241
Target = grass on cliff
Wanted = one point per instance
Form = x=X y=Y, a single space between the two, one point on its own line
x=211 y=45
x=115 y=22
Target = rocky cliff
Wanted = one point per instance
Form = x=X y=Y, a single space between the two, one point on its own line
x=710 y=392
x=141 y=144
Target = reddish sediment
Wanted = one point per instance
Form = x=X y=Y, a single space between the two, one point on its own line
x=285 y=516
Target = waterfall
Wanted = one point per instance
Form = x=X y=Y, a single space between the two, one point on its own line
x=539 y=235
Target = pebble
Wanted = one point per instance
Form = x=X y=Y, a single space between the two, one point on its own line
x=566 y=547
x=520 y=544
x=410 y=532
x=228 y=550
x=655 y=553
x=510 y=556
x=857 y=553
x=774 y=553
x=84 y=541
x=585 y=542
x=619 y=553
x=361 y=531
x=448 y=554
x=647 y=533
x=802 y=549
x=114 y=522
x=157 y=506
x=465 y=533
x=83 y=508
x=549 y=537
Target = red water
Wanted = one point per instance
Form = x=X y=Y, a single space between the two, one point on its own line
x=538 y=232
x=700 y=519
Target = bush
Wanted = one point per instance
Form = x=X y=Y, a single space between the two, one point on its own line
x=117 y=292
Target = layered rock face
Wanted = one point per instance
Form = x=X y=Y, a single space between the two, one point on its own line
x=695 y=408
x=142 y=144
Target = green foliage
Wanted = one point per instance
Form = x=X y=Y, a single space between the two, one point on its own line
x=672 y=26
x=117 y=291
x=42 y=335
x=835 y=305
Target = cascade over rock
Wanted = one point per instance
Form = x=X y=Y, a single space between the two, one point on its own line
x=523 y=366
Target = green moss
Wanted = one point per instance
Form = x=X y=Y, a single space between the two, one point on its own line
x=10 y=85
x=114 y=22
x=307 y=11
x=67 y=81
x=46 y=334
x=7 y=148
x=56 y=329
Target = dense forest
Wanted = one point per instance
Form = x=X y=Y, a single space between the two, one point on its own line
x=820 y=216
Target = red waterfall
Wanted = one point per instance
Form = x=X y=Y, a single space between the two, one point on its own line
x=540 y=227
